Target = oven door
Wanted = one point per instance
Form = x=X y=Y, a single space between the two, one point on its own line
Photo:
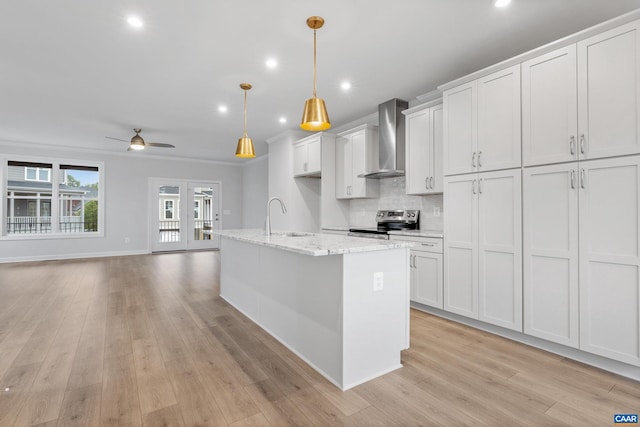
x=369 y=235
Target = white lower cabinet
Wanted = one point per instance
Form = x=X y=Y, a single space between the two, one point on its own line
x=483 y=248
x=425 y=263
x=609 y=218
x=582 y=256
x=550 y=251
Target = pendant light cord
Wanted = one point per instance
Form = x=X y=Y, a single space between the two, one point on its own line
x=245 y=114
x=314 y=63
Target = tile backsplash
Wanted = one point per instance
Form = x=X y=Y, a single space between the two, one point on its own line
x=362 y=212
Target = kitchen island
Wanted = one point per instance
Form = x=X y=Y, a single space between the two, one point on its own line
x=340 y=303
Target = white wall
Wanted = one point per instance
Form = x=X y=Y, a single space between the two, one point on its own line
x=126 y=201
x=301 y=195
x=255 y=192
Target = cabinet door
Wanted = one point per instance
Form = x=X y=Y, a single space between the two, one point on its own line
x=550 y=251
x=300 y=165
x=314 y=155
x=435 y=149
x=359 y=164
x=500 y=248
x=499 y=140
x=418 y=156
x=460 y=129
x=550 y=108
x=427 y=280
x=461 y=245
x=343 y=167
x=609 y=260
x=609 y=92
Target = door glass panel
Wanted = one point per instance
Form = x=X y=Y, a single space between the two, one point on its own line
x=169 y=214
x=202 y=213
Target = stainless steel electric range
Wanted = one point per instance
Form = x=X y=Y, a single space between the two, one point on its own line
x=389 y=220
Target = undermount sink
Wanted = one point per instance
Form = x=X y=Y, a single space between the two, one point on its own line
x=291 y=234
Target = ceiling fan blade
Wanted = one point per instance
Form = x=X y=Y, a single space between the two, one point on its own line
x=116 y=139
x=159 y=144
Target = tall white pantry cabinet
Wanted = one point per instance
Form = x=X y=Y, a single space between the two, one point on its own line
x=580 y=194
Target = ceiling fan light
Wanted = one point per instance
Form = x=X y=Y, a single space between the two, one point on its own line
x=245 y=148
x=315 y=116
x=137 y=143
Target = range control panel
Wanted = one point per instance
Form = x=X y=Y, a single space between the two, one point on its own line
x=398 y=216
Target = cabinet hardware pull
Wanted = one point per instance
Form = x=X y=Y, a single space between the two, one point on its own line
x=431 y=182
x=473 y=159
x=480 y=185
x=573 y=179
x=479 y=163
x=582 y=143
x=428 y=244
x=582 y=178
x=426 y=183
x=572 y=145
x=473 y=186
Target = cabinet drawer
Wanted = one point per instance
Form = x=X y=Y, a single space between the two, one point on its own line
x=427 y=244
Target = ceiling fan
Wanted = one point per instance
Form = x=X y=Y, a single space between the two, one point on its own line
x=137 y=143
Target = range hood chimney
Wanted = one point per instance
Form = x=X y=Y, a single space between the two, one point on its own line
x=390 y=139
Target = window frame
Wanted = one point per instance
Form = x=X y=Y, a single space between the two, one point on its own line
x=56 y=180
x=38 y=170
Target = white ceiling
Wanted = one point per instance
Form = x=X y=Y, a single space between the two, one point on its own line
x=73 y=71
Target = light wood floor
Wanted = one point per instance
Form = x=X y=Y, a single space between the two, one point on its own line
x=146 y=340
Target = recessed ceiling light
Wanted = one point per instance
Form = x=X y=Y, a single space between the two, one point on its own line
x=283 y=120
x=271 y=63
x=501 y=3
x=223 y=108
x=135 y=22
x=345 y=85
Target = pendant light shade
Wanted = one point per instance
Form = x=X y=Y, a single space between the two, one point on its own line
x=245 y=144
x=315 y=116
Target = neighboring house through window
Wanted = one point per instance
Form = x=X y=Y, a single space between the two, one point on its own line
x=52 y=198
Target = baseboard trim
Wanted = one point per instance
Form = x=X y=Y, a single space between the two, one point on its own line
x=71 y=256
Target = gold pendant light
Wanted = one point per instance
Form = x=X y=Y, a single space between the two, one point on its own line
x=245 y=144
x=315 y=116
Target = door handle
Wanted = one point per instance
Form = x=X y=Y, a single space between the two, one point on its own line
x=473 y=159
x=573 y=179
x=582 y=150
x=473 y=186
x=479 y=162
x=582 y=178
x=572 y=145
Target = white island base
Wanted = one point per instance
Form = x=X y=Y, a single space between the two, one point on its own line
x=324 y=308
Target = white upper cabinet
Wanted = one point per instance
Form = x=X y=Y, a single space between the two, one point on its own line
x=460 y=121
x=549 y=108
x=482 y=124
x=499 y=141
x=609 y=93
x=609 y=258
x=307 y=156
x=424 y=150
x=550 y=251
x=356 y=151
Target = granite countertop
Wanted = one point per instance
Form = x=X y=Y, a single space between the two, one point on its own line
x=311 y=243
x=418 y=233
x=335 y=228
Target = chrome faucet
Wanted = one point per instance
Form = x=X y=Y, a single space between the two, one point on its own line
x=268 y=222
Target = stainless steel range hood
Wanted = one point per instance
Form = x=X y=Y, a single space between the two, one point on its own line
x=390 y=140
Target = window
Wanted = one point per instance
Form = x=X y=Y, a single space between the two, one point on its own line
x=52 y=199
x=168 y=209
x=42 y=174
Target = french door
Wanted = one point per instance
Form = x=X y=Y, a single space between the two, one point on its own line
x=184 y=215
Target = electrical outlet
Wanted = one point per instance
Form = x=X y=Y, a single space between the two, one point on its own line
x=378 y=281
x=436 y=211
